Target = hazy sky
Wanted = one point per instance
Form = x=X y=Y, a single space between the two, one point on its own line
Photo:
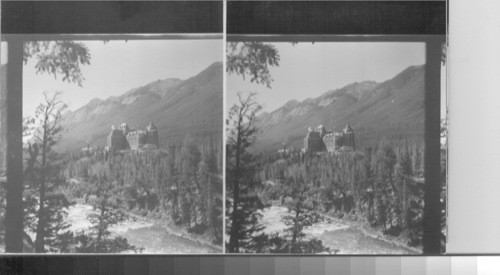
x=306 y=69
x=3 y=53
x=119 y=66
x=309 y=70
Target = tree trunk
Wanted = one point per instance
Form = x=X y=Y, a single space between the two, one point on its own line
x=101 y=226
x=235 y=226
x=41 y=226
x=295 y=226
x=234 y=246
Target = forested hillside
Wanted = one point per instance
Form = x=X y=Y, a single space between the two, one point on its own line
x=393 y=110
x=180 y=185
x=176 y=107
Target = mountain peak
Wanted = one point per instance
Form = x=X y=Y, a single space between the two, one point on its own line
x=407 y=75
x=291 y=103
x=94 y=101
x=192 y=106
x=215 y=64
x=372 y=108
x=213 y=71
x=412 y=69
x=214 y=68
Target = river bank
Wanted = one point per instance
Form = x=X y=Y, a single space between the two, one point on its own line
x=171 y=228
x=373 y=233
x=343 y=236
x=152 y=235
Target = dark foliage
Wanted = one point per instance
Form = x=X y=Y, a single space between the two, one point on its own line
x=108 y=212
x=243 y=204
x=59 y=58
x=253 y=59
x=299 y=197
x=44 y=202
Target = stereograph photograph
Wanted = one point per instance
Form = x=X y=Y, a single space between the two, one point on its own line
x=325 y=147
x=122 y=146
x=147 y=138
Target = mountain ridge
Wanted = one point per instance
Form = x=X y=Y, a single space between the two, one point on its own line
x=392 y=109
x=178 y=108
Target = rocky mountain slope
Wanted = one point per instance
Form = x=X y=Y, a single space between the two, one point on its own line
x=177 y=107
x=393 y=110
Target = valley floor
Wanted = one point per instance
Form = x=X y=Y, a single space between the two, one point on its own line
x=147 y=233
x=342 y=236
x=153 y=235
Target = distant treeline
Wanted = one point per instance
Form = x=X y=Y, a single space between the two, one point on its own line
x=204 y=134
x=401 y=135
x=397 y=136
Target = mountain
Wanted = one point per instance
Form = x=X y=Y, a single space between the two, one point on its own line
x=177 y=107
x=393 y=110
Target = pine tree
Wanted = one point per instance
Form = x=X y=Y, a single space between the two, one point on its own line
x=213 y=190
x=53 y=57
x=108 y=212
x=44 y=175
x=386 y=158
x=240 y=175
x=191 y=157
x=298 y=192
x=403 y=176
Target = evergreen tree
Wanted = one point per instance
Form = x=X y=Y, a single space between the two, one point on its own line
x=298 y=192
x=180 y=182
x=44 y=175
x=417 y=161
x=191 y=157
x=213 y=186
x=386 y=189
x=403 y=176
x=173 y=188
x=57 y=58
x=108 y=212
x=240 y=175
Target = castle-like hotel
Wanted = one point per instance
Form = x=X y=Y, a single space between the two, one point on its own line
x=323 y=140
x=127 y=139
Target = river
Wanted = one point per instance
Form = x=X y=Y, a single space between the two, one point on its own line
x=336 y=235
x=141 y=233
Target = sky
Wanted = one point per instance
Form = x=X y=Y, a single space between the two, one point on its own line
x=119 y=66
x=3 y=53
x=308 y=70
